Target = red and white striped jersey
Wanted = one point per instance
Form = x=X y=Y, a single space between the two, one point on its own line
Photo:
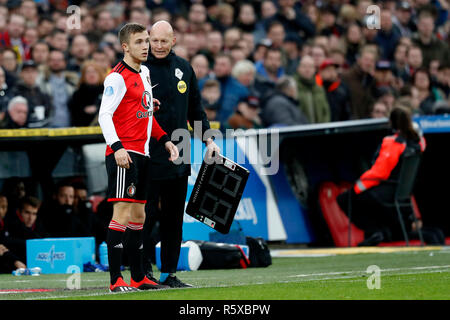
x=126 y=110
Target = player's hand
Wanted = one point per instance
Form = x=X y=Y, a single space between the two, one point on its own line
x=123 y=159
x=212 y=147
x=156 y=104
x=173 y=150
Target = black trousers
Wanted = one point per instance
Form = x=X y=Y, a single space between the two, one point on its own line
x=368 y=214
x=165 y=206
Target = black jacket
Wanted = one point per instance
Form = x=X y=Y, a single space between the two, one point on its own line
x=84 y=96
x=180 y=102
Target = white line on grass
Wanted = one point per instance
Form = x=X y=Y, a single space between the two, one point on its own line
x=324 y=276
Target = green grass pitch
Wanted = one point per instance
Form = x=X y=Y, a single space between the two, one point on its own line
x=412 y=275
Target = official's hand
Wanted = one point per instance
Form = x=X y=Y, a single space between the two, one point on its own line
x=173 y=150
x=123 y=159
x=212 y=147
x=156 y=104
x=3 y=249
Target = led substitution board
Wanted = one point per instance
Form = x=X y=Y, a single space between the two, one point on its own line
x=217 y=193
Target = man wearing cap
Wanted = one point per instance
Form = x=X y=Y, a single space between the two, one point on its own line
x=402 y=19
x=337 y=92
x=40 y=107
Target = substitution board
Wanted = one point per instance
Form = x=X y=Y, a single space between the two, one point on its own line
x=217 y=193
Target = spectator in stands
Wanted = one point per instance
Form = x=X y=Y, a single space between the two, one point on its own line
x=271 y=67
x=428 y=95
x=414 y=60
x=85 y=101
x=231 y=90
x=432 y=47
x=17 y=114
x=39 y=54
x=361 y=83
x=293 y=20
x=58 y=40
x=319 y=54
x=312 y=97
x=353 y=42
x=276 y=34
x=379 y=110
x=246 y=18
x=5 y=94
x=79 y=51
x=25 y=225
x=400 y=66
x=388 y=36
x=231 y=38
x=59 y=216
x=210 y=98
x=246 y=115
x=214 y=46
x=13 y=36
x=402 y=19
x=14 y=189
x=59 y=84
x=338 y=95
x=200 y=64
x=442 y=79
x=292 y=46
x=281 y=109
x=197 y=17
x=39 y=104
x=9 y=61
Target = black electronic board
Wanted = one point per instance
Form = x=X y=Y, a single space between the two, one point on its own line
x=217 y=193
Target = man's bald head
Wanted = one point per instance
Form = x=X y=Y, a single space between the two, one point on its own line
x=162 y=39
x=161 y=27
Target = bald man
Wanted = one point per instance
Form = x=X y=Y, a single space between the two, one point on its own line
x=175 y=86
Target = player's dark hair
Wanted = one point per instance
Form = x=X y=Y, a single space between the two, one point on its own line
x=127 y=30
x=31 y=201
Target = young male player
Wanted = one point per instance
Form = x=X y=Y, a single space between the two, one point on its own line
x=127 y=122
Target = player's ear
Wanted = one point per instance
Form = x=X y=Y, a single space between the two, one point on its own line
x=125 y=47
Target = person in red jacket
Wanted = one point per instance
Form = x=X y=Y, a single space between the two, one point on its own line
x=380 y=223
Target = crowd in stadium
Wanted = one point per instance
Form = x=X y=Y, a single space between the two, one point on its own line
x=259 y=63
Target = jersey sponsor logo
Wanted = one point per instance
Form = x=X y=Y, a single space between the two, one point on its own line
x=109 y=91
x=144 y=114
x=181 y=86
x=146 y=101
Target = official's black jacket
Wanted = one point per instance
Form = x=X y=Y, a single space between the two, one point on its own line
x=175 y=86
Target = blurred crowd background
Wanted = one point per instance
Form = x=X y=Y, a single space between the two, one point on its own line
x=258 y=63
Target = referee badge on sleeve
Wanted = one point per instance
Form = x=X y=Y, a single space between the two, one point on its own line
x=181 y=86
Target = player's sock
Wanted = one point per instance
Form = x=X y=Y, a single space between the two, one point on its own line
x=115 y=248
x=134 y=248
x=163 y=277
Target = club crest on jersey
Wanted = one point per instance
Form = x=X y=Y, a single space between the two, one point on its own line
x=146 y=100
x=147 y=104
x=131 y=190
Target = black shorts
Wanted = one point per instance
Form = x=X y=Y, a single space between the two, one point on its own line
x=127 y=184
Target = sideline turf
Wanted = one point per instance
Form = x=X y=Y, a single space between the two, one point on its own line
x=404 y=275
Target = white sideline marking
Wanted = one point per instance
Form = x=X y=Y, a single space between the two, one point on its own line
x=328 y=276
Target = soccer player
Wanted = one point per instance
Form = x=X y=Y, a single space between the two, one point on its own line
x=127 y=122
